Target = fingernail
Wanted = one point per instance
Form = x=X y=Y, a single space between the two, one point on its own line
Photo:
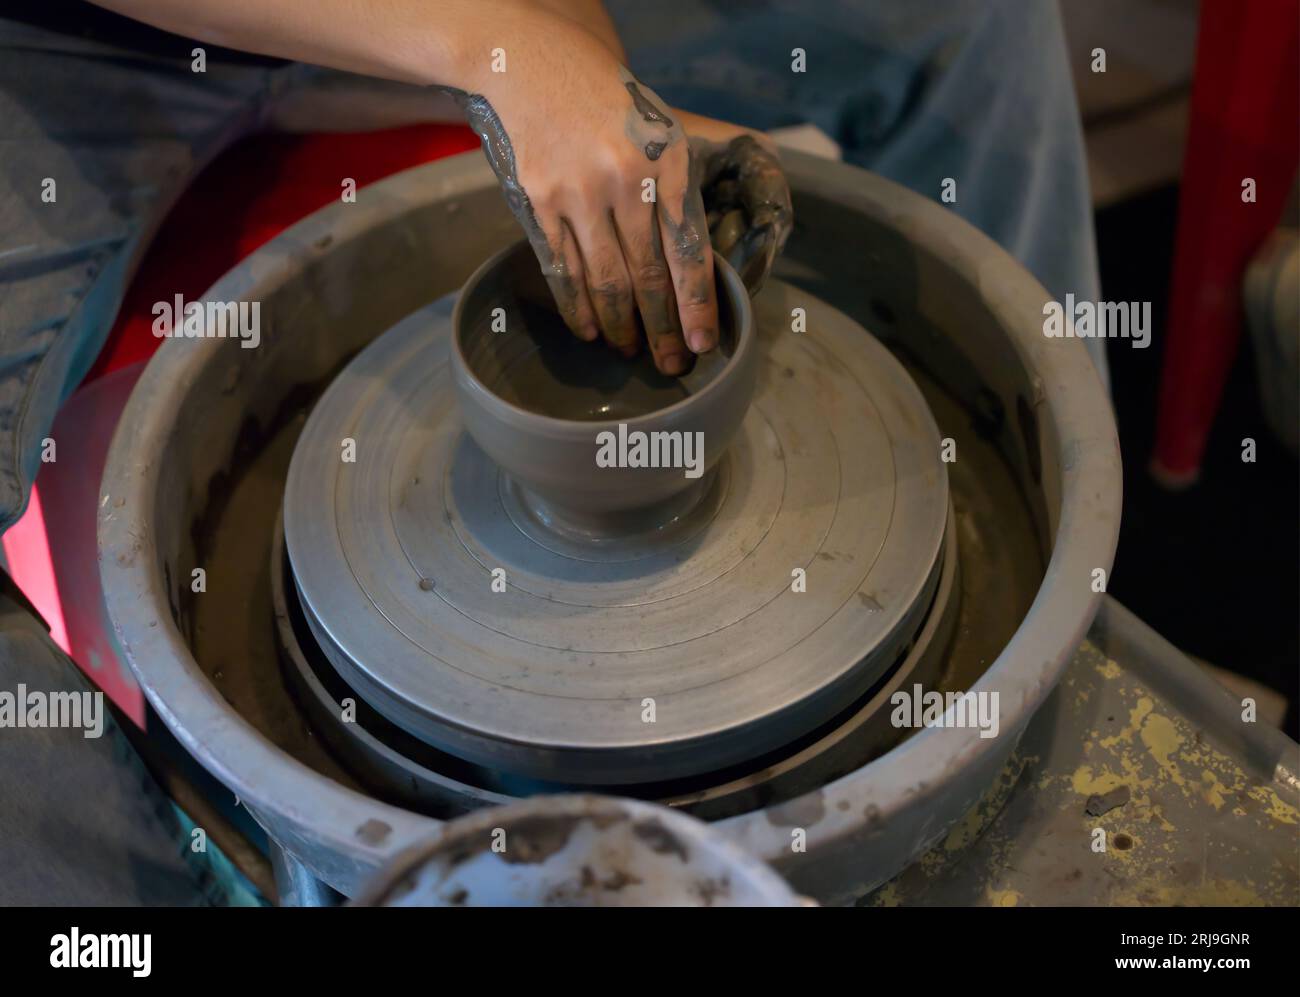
x=673 y=364
x=700 y=341
x=590 y=333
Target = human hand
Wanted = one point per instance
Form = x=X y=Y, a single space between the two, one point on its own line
x=599 y=172
x=747 y=201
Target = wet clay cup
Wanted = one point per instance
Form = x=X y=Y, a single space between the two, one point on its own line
x=597 y=445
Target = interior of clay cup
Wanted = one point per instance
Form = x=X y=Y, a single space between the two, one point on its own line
x=515 y=344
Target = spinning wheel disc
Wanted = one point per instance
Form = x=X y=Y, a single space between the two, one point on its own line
x=784 y=595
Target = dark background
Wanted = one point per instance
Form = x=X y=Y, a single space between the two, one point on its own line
x=1216 y=568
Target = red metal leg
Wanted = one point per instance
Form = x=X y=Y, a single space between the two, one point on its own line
x=1245 y=124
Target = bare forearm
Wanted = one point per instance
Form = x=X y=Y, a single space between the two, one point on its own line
x=445 y=42
x=591 y=15
x=573 y=137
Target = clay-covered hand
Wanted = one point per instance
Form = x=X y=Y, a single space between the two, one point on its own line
x=746 y=197
x=599 y=172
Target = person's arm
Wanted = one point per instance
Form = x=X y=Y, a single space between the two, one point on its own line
x=412 y=41
x=574 y=139
x=596 y=168
x=590 y=14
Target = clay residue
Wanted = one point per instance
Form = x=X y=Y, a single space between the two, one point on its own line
x=374 y=832
x=1100 y=804
x=535 y=839
x=647 y=125
x=710 y=889
x=645 y=107
x=870 y=602
x=660 y=839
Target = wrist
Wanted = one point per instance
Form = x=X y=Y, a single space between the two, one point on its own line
x=486 y=47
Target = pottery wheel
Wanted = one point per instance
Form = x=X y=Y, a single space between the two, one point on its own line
x=786 y=594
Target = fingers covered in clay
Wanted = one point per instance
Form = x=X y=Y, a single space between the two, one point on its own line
x=561 y=263
x=684 y=231
x=745 y=176
x=609 y=285
x=678 y=236
x=638 y=227
x=616 y=220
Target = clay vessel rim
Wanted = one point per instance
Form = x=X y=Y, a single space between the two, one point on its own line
x=746 y=342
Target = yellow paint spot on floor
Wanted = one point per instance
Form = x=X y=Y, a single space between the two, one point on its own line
x=966 y=830
x=1135 y=718
x=1214 y=789
x=1162 y=739
x=1002 y=898
x=1085 y=783
x=1110 y=670
x=1274 y=805
x=888 y=896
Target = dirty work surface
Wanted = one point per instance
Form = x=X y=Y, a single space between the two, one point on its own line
x=1189 y=817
